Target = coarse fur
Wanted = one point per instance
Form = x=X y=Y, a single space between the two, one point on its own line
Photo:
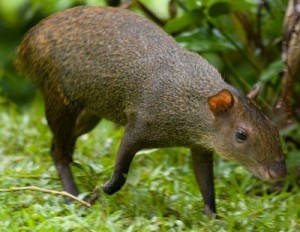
x=101 y=62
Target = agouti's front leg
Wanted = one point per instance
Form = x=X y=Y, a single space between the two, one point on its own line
x=128 y=147
x=203 y=169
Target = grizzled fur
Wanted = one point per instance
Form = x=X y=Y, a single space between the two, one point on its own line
x=100 y=62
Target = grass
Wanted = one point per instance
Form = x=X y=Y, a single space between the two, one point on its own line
x=160 y=195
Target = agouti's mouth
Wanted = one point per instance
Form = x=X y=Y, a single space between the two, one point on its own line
x=275 y=170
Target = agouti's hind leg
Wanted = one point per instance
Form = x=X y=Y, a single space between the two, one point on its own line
x=62 y=119
x=85 y=122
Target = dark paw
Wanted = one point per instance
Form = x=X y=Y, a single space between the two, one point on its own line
x=110 y=187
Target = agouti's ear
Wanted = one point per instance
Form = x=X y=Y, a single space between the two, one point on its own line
x=221 y=102
x=254 y=92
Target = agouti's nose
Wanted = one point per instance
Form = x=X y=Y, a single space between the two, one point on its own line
x=277 y=169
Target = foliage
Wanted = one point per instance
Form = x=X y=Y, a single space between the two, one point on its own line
x=241 y=39
x=161 y=193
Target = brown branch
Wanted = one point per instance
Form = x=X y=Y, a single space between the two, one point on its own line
x=53 y=192
x=291 y=58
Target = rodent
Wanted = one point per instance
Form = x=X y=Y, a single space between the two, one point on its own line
x=101 y=62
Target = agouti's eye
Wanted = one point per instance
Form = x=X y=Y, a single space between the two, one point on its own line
x=240 y=135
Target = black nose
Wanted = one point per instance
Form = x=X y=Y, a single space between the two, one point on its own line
x=277 y=169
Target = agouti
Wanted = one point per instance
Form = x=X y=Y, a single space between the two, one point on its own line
x=101 y=62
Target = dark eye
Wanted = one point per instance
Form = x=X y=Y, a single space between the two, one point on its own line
x=240 y=135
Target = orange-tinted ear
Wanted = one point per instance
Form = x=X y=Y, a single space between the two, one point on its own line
x=221 y=102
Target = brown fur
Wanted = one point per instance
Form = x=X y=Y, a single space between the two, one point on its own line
x=100 y=62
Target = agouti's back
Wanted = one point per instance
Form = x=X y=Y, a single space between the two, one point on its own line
x=106 y=57
x=100 y=62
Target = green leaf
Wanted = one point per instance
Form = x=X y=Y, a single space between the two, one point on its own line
x=187 y=19
x=194 y=4
x=159 y=8
x=271 y=71
x=222 y=8
x=203 y=41
x=219 y=8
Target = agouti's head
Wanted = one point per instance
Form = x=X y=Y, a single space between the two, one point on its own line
x=246 y=135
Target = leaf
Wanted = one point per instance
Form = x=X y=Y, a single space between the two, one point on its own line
x=203 y=41
x=272 y=70
x=159 y=8
x=187 y=19
x=194 y=4
x=221 y=8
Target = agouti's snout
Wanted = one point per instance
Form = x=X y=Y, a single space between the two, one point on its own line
x=276 y=170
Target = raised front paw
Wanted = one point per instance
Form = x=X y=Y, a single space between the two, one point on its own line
x=111 y=187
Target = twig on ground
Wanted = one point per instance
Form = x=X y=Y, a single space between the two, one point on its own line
x=54 y=192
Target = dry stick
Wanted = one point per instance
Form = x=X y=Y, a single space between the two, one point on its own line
x=34 y=188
